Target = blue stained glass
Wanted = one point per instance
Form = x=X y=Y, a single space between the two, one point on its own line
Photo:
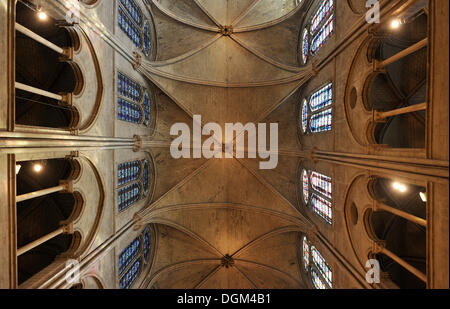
x=128 y=195
x=146 y=244
x=321 y=98
x=321 y=184
x=322 y=36
x=133 y=10
x=147 y=39
x=305 y=116
x=130 y=29
x=128 y=111
x=321 y=122
x=128 y=88
x=128 y=172
x=129 y=253
x=322 y=207
x=146 y=176
x=130 y=276
x=325 y=9
x=322 y=266
x=146 y=108
x=305 y=47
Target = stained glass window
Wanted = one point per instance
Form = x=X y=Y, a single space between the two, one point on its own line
x=319 y=270
x=321 y=98
x=128 y=111
x=128 y=195
x=316 y=115
x=129 y=253
x=322 y=266
x=133 y=181
x=320 y=192
x=305 y=186
x=305 y=46
x=133 y=23
x=147 y=244
x=305 y=253
x=146 y=108
x=325 y=9
x=147 y=39
x=321 y=183
x=128 y=172
x=317 y=282
x=128 y=88
x=321 y=122
x=320 y=30
x=130 y=276
x=133 y=10
x=134 y=256
x=134 y=103
x=129 y=27
x=146 y=176
x=305 y=116
x=323 y=35
x=322 y=207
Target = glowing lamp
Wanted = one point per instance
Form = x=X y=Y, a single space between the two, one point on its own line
x=37 y=167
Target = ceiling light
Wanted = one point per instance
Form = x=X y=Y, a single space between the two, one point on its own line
x=395 y=24
x=37 y=167
x=423 y=196
x=18 y=167
x=41 y=14
x=399 y=187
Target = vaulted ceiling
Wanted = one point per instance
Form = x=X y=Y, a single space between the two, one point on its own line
x=229 y=61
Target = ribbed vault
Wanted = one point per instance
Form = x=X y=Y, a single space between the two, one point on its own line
x=225 y=223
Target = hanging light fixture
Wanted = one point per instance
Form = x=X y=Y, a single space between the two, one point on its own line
x=396 y=23
x=41 y=13
x=37 y=167
x=399 y=187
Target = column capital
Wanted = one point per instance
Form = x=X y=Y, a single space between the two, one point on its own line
x=67 y=53
x=311 y=233
x=313 y=68
x=138 y=222
x=137 y=61
x=66 y=99
x=137 y=143
x=68 y=184
x=68 y=229
x=378 y=247
x=311 y=155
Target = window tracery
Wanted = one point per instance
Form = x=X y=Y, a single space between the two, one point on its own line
x=317 y=194
x=133 y=101
x=133 y=182
x=316 y=266
x=320 y=29
x=132 y=22
x=317 y=112
x=133 y=258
